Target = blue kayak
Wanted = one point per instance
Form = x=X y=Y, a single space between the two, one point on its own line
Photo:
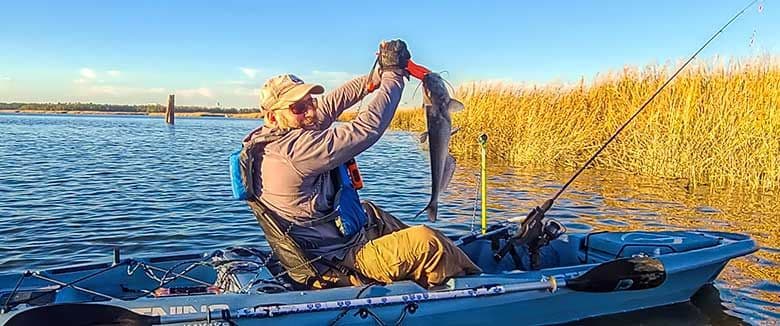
x=241 y=285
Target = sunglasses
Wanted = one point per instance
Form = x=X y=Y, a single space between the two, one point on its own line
x=302 y=106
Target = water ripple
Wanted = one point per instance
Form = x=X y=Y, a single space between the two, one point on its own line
x=73 y=188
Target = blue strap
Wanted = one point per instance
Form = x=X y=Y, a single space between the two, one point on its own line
x=236 y=182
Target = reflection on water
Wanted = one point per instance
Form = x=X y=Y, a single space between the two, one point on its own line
x=613 y=201
x=73 y=187
x=705 y=308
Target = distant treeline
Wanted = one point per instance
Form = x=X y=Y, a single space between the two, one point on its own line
x=146 y=108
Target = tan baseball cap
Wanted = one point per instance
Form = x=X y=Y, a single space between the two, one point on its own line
x=284 y=90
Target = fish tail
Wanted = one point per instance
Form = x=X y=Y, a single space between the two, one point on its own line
x=432 y=208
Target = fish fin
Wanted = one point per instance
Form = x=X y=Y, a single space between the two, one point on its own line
x=455 y=106
x=423 y=137
x=454 y=131
x=449 y=171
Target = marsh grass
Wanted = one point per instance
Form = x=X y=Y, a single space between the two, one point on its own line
x=717 y=123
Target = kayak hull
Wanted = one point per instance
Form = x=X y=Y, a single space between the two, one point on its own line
x=688 y=269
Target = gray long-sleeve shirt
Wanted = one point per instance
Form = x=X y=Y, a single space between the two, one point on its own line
x=296 y=179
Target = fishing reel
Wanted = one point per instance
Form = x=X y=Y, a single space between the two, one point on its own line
x=534 y=231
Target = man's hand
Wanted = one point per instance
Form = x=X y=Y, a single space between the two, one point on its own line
x=393 y=55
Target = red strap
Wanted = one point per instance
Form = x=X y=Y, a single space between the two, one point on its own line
x=416 y=70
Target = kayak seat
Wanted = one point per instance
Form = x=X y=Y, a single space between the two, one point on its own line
x=602 y=246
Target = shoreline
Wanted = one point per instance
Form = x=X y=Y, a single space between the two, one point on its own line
x=254 y=115
x=345 y=116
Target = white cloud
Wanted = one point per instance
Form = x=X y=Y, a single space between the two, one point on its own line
x=114 y=90
x=192 y=92
x=105 y=89
x=5 y=78
x=246 y=91
x=250 y=72
x=87 y=73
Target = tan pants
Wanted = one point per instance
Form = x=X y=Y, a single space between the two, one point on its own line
x=396 y=252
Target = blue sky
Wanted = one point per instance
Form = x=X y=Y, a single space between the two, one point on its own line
x=136 y=52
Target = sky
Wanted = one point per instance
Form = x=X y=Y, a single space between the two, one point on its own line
x=213 y=53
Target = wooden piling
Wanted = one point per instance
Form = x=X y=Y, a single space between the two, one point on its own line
x=169 y=112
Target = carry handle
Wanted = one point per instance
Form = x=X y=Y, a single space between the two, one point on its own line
x=417 y=71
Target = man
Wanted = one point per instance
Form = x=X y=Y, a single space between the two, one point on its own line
x=305 y=201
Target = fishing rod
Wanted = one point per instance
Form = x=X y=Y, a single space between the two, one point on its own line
x=546 y=206
x=625 y=274
x=532 y=228
x=641 y=108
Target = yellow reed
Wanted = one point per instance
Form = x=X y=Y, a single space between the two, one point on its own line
x=717 y=123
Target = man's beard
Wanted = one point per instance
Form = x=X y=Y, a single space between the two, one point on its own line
x=311 y=122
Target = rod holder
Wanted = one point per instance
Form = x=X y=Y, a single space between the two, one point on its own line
x=483 y=179
x=117 y=256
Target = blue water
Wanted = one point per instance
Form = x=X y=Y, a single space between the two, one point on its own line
x=74 y=187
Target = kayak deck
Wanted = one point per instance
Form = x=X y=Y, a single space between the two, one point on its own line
x=691 y=258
